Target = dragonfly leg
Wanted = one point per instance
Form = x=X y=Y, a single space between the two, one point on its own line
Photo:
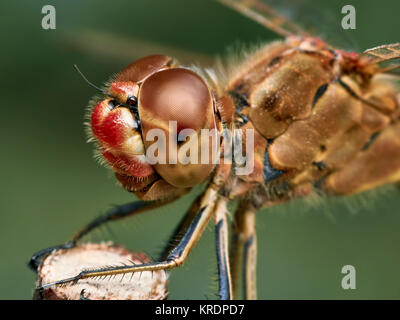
x=116 y=213
x=175 y=258
x=221 y=243
x=243 y=256
x=181 y=228
x=221 y=233
x=36 y=258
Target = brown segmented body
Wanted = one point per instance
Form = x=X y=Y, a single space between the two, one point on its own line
x=315 y=132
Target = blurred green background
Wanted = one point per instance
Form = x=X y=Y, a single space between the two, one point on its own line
x=51 y=186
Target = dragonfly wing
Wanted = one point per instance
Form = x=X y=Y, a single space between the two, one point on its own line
x=129 y=49
x=262 y=13
x=383 y=59
x=294 y=17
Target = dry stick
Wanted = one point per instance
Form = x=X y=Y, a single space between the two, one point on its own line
x=63 y=264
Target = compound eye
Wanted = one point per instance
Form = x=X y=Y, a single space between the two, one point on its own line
x=140 y=69
x=131 y=101
x=176 y=95
x=178 y=99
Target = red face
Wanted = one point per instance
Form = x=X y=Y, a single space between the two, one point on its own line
x=146 y=95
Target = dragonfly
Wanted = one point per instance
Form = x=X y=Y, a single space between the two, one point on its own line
x=319 y=120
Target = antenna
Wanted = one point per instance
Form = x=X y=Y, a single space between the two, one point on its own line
x=86 y=80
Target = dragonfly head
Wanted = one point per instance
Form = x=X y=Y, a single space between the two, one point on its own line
x=147 y=107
